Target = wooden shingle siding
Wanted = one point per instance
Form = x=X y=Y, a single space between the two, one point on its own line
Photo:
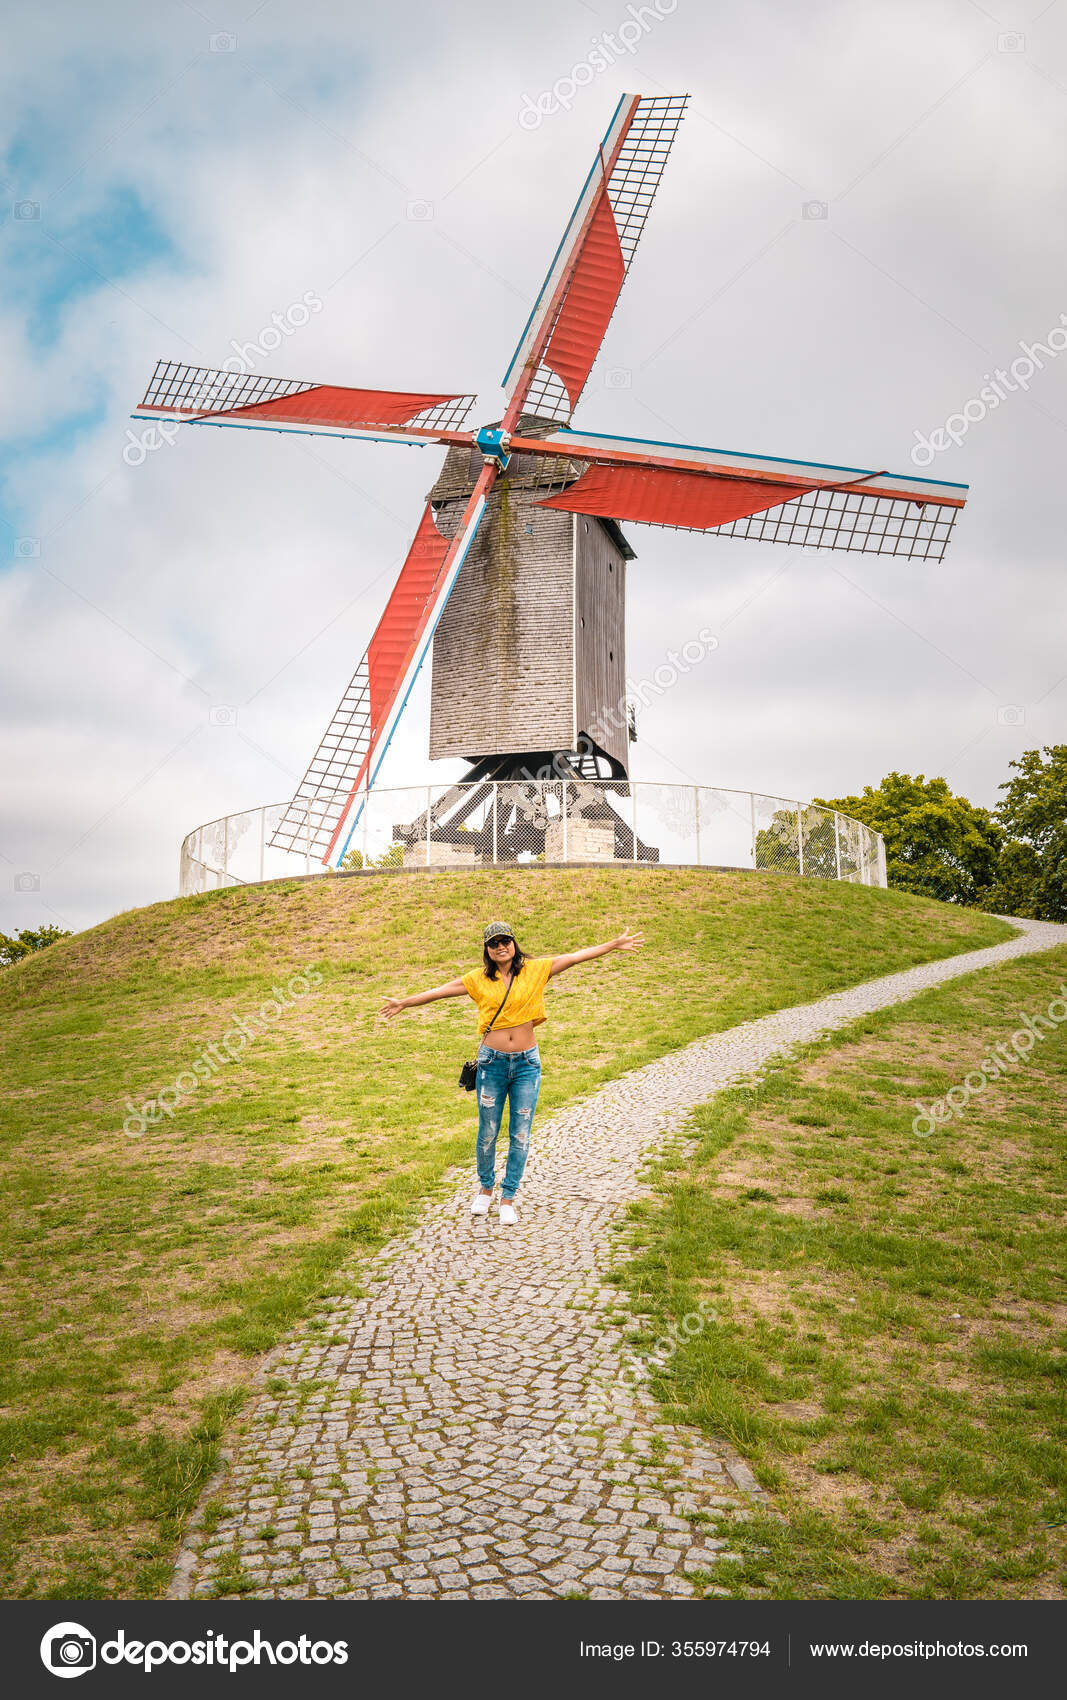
x=503 y=652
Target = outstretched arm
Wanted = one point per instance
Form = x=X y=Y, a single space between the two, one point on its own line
x=393 y=1006
x=625 y=941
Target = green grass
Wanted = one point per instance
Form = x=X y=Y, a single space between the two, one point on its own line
x=140 y=1279
x=889 y=1309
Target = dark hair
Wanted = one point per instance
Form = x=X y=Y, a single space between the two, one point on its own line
x=516 y=962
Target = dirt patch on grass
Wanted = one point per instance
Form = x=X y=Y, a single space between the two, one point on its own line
x=770 y=1296
x=829 y=1491
x=883 y=1051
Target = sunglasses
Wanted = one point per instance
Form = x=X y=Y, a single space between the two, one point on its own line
x=496 y=944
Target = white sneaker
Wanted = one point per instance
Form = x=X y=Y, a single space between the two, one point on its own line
x=508 y=1213
x=480 y=1203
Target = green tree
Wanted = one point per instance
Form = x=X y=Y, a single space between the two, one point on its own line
x=391 y=858
x=27 y=940
x=1031 y=877
x=777 y=848
x=936 y=844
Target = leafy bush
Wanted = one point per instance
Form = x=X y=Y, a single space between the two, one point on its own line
x=27 y=940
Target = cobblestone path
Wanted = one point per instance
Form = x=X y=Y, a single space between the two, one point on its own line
x=475 y=1428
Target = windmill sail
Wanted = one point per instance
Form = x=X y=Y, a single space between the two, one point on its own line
x=355 y=741
x=564 y=332
x=200 y=395
x=738 y=495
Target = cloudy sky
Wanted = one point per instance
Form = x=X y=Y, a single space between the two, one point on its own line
x=861 y=219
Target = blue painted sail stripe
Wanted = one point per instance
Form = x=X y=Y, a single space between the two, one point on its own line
x=738 y=454
x=297 y=431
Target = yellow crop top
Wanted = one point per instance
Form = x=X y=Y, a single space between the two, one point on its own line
x=526 y=999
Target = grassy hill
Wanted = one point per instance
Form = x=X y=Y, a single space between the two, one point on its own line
x=887 y=1341
x=141 y=1277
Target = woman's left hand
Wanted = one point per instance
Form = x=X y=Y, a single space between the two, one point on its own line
x=628 y=940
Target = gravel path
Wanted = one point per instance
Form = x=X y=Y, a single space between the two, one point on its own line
x=476 y=1428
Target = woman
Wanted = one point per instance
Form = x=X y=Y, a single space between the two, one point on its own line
x=509 y=992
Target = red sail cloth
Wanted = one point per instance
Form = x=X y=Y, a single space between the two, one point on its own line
x=394 y=642
x=332 y=404
x=659 y=496
x=589 y=303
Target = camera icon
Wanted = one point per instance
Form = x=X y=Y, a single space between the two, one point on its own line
x=68 y=1649
x=618 y=378
x=26 y=209
x=26 y=548
x=223 y=714
x=420 y=211
x=27 y=882
x=223 y=42
x=1011 y=42
x=815 y=209
x=1011 y=714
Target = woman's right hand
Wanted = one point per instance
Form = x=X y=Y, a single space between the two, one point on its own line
x=391 y=1007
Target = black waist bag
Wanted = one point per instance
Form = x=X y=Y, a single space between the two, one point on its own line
x=468 y=1074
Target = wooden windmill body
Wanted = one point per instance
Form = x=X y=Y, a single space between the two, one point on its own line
x=529 y=656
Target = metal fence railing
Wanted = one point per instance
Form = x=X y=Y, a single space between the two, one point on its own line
x=552 y=821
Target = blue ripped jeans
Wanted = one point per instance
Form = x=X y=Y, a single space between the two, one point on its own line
x=506 y=1076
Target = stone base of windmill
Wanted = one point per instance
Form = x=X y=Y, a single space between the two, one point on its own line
x=442 y=855
x=586 y=841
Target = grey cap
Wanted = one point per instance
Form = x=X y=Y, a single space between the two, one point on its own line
x=496 y=930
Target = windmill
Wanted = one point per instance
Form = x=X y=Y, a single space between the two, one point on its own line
x=518 y=558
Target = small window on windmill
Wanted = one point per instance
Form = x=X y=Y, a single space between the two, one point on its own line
x=611 y=566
